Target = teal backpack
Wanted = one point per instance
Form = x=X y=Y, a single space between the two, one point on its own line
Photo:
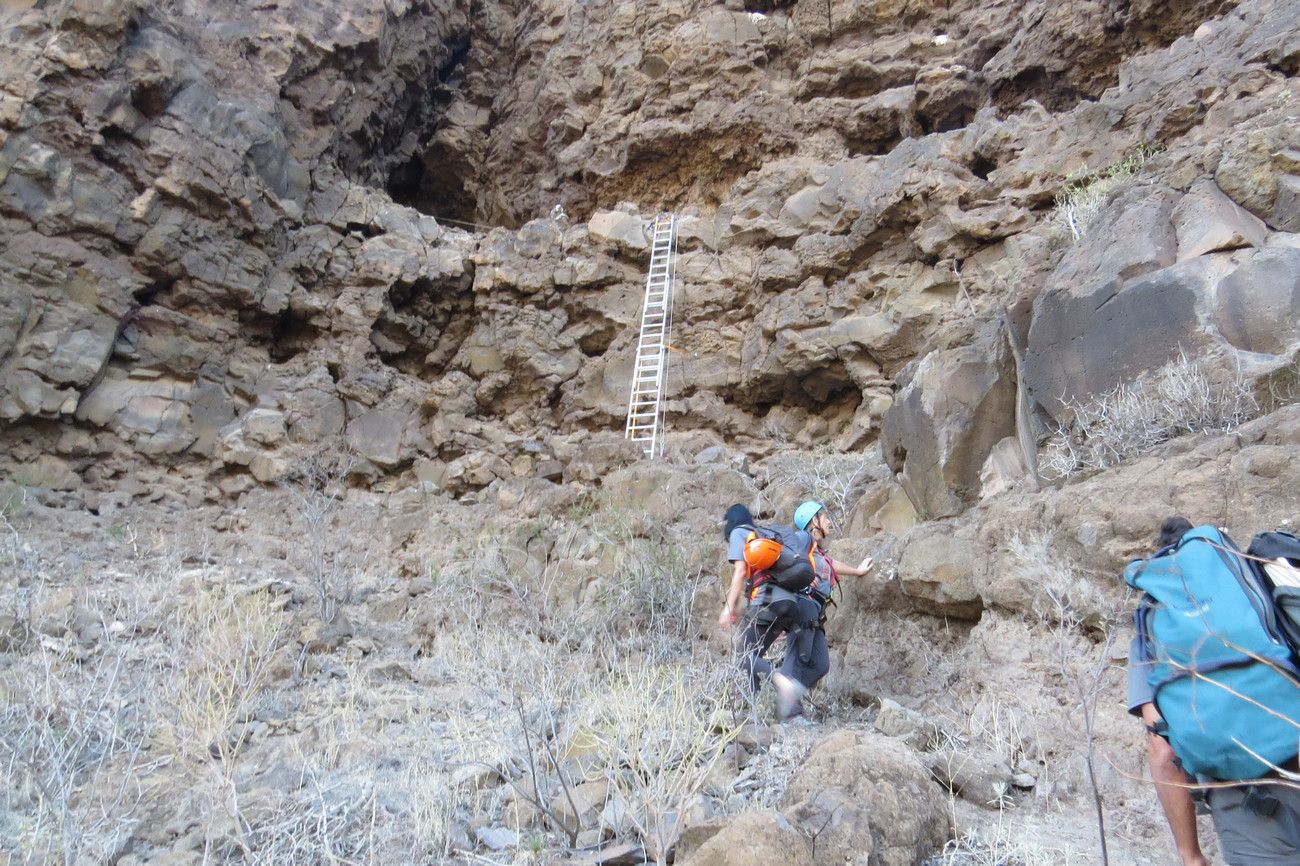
x=1219 y=665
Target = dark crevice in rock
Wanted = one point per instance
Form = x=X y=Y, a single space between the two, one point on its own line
x=285 y=335
x=148 y=295
x=951 y=118
x=432 y=179
x=1038 y=84
x=117 y=149
x=423 y=325
x=595 y=344
x=433 y=182
x=825 y=391
x=1087 y=74
x=981 y=166
x=365 y=230
x=873 y=147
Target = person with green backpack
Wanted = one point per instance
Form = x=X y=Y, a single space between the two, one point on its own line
x=1214 y=679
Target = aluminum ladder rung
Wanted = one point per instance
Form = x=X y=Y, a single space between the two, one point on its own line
x=645 y=402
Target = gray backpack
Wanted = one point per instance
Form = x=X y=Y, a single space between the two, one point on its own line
x=794 y=569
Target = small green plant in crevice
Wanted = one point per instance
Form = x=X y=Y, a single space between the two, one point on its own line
x=1081 y=199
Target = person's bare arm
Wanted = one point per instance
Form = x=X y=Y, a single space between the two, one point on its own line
x=1175 y=799
x=850 y=571
x=738 y=574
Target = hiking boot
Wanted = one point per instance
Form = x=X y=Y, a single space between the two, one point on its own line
x=788 y=693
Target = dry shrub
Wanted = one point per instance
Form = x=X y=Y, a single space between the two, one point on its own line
x=1082 y=199
x=227 y=642
x=837 y=480
x=658 y=731
x=1279 y=388
x=581 y=672
x=224 y=643
x=1002 y=845
x=652 y=584
x=1055 y=587
x=363 y=814
x=73 y=751
x=317 y=486
x=1184 y=396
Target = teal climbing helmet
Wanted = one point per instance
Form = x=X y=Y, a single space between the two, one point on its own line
x=804 y=514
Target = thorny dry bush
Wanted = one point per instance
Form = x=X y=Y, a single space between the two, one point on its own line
x=837 y=480
x=1184 y=396
x=317 y=487
x=1083 y=625
x=1004 y=845
x=164 y=695
x=73 y=749
x=602 y=695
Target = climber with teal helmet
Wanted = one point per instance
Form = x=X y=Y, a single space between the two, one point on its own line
x=809 y=646
x=771 y=612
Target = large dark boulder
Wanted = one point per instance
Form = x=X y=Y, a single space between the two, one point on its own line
x=952 y=408
x=1162 y=275
x=1257 y=306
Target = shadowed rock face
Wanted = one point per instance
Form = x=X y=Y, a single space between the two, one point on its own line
x=234 y=208
x=705 y=94
x=949 y=413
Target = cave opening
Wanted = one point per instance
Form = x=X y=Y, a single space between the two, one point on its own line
x=436 y=176
x=436 y=182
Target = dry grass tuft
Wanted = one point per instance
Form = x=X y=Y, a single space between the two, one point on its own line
x=1184 y=396
x=1002 y=846
x=72 y=748
x=837 y=480
x=1082 y=199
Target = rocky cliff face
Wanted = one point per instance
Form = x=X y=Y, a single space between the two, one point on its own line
x=282 y=283
x=224 y=243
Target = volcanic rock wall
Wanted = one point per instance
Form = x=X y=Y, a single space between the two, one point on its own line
x=235 y=234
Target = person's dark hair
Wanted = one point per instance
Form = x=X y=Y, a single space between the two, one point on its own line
x=1172 y=530
x=737 y=515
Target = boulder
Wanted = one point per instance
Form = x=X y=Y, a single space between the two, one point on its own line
x=378 y=434
x=937 y=568
x=869 y=800
x=980 y=776
x=1085 y=344
x=1252 y=161
x=265 y=427
x=1286 y=206
x=885 y=507
x=144 y=408
x=1005 y=468
x=952 y=408
x=697 y=498
x=599 y=455
x=584 y=809
x=497 y=838
x=750 y=838
x=474 y=471
x=624 y=230
x=1257 y=306
x=896 y=720
x=1206 y=221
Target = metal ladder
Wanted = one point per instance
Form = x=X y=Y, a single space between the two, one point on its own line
x=645 y=413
